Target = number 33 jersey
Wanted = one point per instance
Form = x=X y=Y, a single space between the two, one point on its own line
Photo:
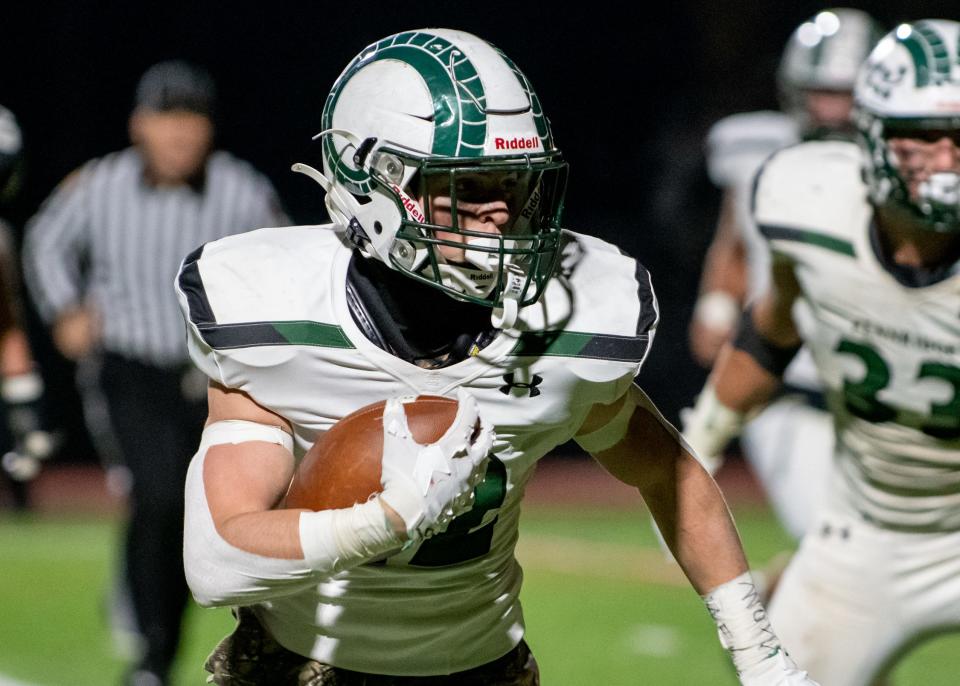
x=267 y=313
x=887 y=352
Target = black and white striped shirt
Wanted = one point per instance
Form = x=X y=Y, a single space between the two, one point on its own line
x=108 y=238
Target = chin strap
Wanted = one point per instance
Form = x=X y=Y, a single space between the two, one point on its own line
x=505 y=316
x=336 y=197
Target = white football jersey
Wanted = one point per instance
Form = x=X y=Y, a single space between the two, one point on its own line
x=737 y=147
x=267 y=314
x=888 y=354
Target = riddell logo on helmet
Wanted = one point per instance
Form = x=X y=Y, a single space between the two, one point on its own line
x=517 y=143
x=409 y=204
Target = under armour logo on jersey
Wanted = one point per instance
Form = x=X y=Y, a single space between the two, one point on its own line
x=531 y=387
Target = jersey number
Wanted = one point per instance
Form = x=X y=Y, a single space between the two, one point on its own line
x=463 y=540
x=861 y=399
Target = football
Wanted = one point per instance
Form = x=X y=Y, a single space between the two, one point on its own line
x=343 y=467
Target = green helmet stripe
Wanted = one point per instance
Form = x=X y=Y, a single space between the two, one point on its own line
x=543 y=126
x=929 y=53
x=916 y=49
x=458 y=97
x=941 y=56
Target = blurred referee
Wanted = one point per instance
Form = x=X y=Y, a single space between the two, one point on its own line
x=100 y=259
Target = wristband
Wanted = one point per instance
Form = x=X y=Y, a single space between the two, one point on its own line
x=742 y=622
x=333 y=540
x=717 y=310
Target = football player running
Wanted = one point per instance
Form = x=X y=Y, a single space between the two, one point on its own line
x=867 y=238
x=788 y=445
x=445 y=271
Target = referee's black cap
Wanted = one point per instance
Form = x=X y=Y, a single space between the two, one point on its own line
x=176 y=85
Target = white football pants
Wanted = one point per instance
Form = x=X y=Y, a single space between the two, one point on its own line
x=856 y=596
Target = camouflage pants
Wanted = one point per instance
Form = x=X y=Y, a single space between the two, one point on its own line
x=250 y=657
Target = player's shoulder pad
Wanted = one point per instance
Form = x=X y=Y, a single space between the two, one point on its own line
x=737 y=145
x=600 y=307
x=255 y=279
x=812 y=195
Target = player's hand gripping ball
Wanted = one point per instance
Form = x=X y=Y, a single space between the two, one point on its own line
x=343 y=467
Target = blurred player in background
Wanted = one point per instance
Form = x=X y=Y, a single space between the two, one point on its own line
x=789 y=444
x=24 y=440
x=445 y=272
x=99 y=259
x=867 y=238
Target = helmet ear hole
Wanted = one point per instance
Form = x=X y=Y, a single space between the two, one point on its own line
x=377 y=228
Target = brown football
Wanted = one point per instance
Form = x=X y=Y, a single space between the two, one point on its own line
x=343 y=467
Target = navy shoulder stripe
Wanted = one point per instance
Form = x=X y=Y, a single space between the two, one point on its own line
x=191 y=284
x=580 y=344
x=249 y=334
x=259 y=334
x=616 y=348
x=649 y=315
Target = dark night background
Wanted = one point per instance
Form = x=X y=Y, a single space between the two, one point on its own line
x=631 y=91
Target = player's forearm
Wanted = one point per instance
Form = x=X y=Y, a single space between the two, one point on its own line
x=261 y=555
x=725 y=264
x=274 y=533
x=696 y=525
x=240 y=546
x=740 y=382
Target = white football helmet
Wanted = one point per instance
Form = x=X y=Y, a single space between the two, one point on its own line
x=824 y=53
x=431 y=108
x=910 y=87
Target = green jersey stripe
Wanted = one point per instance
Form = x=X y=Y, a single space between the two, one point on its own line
x=822 y=240
x=256 y=334
x=580 y=344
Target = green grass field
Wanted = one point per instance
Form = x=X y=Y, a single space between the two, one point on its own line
x=602 y=606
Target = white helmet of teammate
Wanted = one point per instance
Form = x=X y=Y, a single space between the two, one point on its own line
x=824 y=53
x=428 y=109
x=910 y=87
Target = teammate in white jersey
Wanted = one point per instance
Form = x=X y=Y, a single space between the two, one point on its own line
x=788 y=445
x=445 y=272
x=867 y=237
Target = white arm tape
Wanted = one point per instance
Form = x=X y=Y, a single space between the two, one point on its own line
x=610 y=433
x=219 y=573
x=742 y=622
x=717 y=310
x=709 y=426
x=22 y=388
x=242 y=431
x=334 y=540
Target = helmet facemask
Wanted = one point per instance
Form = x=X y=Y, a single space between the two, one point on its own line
x=511 y=256
x=409 y=213
x=936 y=202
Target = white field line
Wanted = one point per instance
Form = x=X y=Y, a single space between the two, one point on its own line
x=7 y=681
x=654 y=640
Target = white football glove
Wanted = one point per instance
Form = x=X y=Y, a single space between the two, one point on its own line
x=429 y=485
